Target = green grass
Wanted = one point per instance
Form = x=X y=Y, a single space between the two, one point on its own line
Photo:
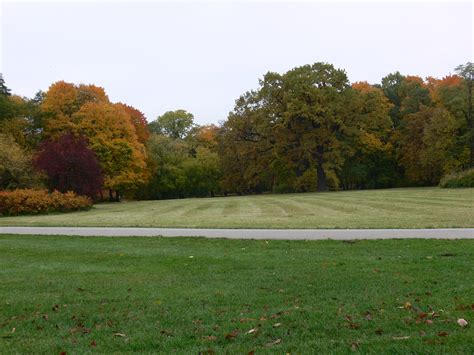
x=393 y=208
x=185 y=295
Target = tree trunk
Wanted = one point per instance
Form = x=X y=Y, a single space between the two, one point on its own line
x=321 y=183
x=111 y=196
x=117 y=196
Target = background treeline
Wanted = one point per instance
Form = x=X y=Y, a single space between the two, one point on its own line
x=305 y=130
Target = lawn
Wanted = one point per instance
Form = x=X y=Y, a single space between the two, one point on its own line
x=73 y=295
x=392 y=208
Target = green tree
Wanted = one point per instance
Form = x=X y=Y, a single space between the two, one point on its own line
x=175 y=124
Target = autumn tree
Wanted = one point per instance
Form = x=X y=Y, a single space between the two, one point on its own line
x=16 y=169
x=70 y=165
x=85 y=110
x=369 y=161
x=112 y=137
x=427 y=145
x=466 y=71
x=139 y=122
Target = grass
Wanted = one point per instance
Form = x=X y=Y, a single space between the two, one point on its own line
x=392 y=208
x=148 y=295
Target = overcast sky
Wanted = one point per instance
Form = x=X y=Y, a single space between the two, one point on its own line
x=201 y=56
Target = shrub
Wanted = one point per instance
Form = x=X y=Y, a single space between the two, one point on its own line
x=26 y=201
x=461 y=179
x=70 y=165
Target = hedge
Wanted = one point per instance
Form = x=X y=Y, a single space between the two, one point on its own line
x=28 y=201
x=462 y=179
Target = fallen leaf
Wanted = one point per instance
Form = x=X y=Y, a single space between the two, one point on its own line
x=93 y=344
x=401 y=338
x=253 y=330
x=232 y=335
x=45 y=317
x=422 y=333
x=368 y=316
x=442 y=334
x=120 y=335
x=428 y=321
x=276 y=325
x=354 y=325
x=210 y=337
x=277 y=341
x=55 y=307
x=462 y=322
x=354 y=346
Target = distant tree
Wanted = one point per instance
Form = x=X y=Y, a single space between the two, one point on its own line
x=16 y=169
x=85 y=110
x=139 y=122
x=427 y=145
x=466 y=71
x=111 y=135
x=175 y=124
x=70 y=165
x=4 y=90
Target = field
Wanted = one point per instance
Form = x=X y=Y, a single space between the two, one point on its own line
x=392 y=208
x=77 y=294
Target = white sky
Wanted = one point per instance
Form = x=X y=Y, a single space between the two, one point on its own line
x=160 y=56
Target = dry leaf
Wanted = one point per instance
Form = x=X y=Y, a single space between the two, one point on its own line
x=277 y=341
x=276 y=325
x=462 y=322
x=119 y=335
x=253 y=330
x=401 y=338
x=443 y=334
x=232 y=335
x=210 y=337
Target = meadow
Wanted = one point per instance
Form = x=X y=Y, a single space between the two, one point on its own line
x=193 y=295
x=390 y=208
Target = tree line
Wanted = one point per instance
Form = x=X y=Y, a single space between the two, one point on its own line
x=308 y=129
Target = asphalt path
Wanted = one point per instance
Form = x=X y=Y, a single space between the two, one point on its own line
x=282 y=234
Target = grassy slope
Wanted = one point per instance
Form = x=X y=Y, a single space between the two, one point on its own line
x=394 y=208
x=158 y=298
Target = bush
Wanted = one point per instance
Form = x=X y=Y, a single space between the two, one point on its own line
x=26 y=201
x=461 y=179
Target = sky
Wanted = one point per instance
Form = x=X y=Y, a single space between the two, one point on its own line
x=201 y=56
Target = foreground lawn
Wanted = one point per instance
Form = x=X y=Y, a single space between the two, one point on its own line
x=73 y=295
x=393 y=208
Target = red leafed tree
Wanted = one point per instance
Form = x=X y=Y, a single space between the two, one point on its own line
x=70 y=165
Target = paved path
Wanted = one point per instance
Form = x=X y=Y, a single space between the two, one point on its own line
x=285 y=234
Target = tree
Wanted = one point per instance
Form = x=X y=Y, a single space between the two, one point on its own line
x=112 y=137
x=466 y=71
x=427 y=145
x=139 y=122
x=70 y=165
x=165 y=161
x=175 y=124
x=369 y=161
x=85 y=110
x=16 y=169
x=4 y=90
